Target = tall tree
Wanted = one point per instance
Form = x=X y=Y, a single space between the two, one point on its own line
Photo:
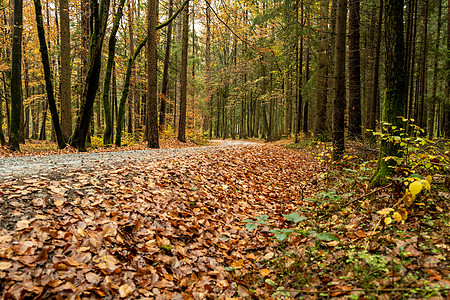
x=16 y=77
x=126 y=83
x=339 y=96
x=66 y=70
x=47 y=75
x=99 y=17
x=152 y=76
x=354 y=71
x=321 y=84
x=165 y=78
x=394 y=100
x=432 y=109
x=107 y=134
x=183 y=76
x=374 y=94
x=2 y=136
x=446 y=105
x=208 y=69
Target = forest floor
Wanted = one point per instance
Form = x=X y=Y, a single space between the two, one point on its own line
x=240 y=220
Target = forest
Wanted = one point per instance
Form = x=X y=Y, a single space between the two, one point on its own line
x=224 y=149
x=227 y=70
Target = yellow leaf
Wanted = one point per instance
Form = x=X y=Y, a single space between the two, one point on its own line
x=403 y=213
x=385 y=211
x=426 y=184
x=264 y=272
x=81 y=232
x=237 y=264
x=415 y=187
x=408 y=198
x=397 y=217
x=125 y=290
x=387 y=220
x=428 y=178
x=5 y=265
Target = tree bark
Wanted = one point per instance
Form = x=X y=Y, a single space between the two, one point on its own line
x=16 y=77
x=107 y=134
x=125 y=91
x=165 y=78
x=2 y=136
x=431 y=110
x=321 y=84
x=373 y=102
x=47 y=75
x=446 y=105
x=152 y=80
x=99 y=16
x=66 y=70
x=354 y=62
x=394 y=101
x=183 y=76
x=208 y=70
x=339 y=96
x=126 y=84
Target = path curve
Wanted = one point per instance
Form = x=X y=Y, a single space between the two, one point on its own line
x=25 y=166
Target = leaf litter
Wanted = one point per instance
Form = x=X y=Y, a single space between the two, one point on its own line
x=174 y=229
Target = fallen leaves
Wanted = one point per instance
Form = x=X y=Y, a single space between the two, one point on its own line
x=174 y=228
x=149 y=229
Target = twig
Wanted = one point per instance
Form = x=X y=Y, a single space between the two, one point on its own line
x=370 y=193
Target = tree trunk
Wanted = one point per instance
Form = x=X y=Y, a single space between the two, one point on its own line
x=113 y=100
x=26 y=130
x=16 y=77
x=446 y=105
x=2 y=136
x=107 y=134
x=47 y=76
x=321 y=84
x=134 y=97
x=431 y=110
x=126 y=84
x=423 y=71
x=85 y=32
x=307 y=71
x=208 y=70
x=99 y=17
x=183 y=77
x=339 y=96
x=125 y=91
x=354 y=72
x=373 y=103
x=394 y=101
x=152 y=80
x=66 y=70
x=165 y=78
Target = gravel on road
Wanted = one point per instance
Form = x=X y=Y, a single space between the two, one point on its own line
x=24 y=166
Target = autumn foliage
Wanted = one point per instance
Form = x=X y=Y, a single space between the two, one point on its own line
x=174 y=229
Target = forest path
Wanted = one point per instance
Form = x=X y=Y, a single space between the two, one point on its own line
x=156 y=223
x=24 y=166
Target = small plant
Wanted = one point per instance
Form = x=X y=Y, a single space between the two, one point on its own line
x=420 y=156
x=279 y=234
x=367 y=267
x=283 y=233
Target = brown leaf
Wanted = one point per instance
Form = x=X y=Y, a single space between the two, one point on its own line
x=92 y=278
x=5 y=265
x=125 y=290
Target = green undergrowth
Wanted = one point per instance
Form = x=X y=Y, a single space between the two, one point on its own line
x=350 y=242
